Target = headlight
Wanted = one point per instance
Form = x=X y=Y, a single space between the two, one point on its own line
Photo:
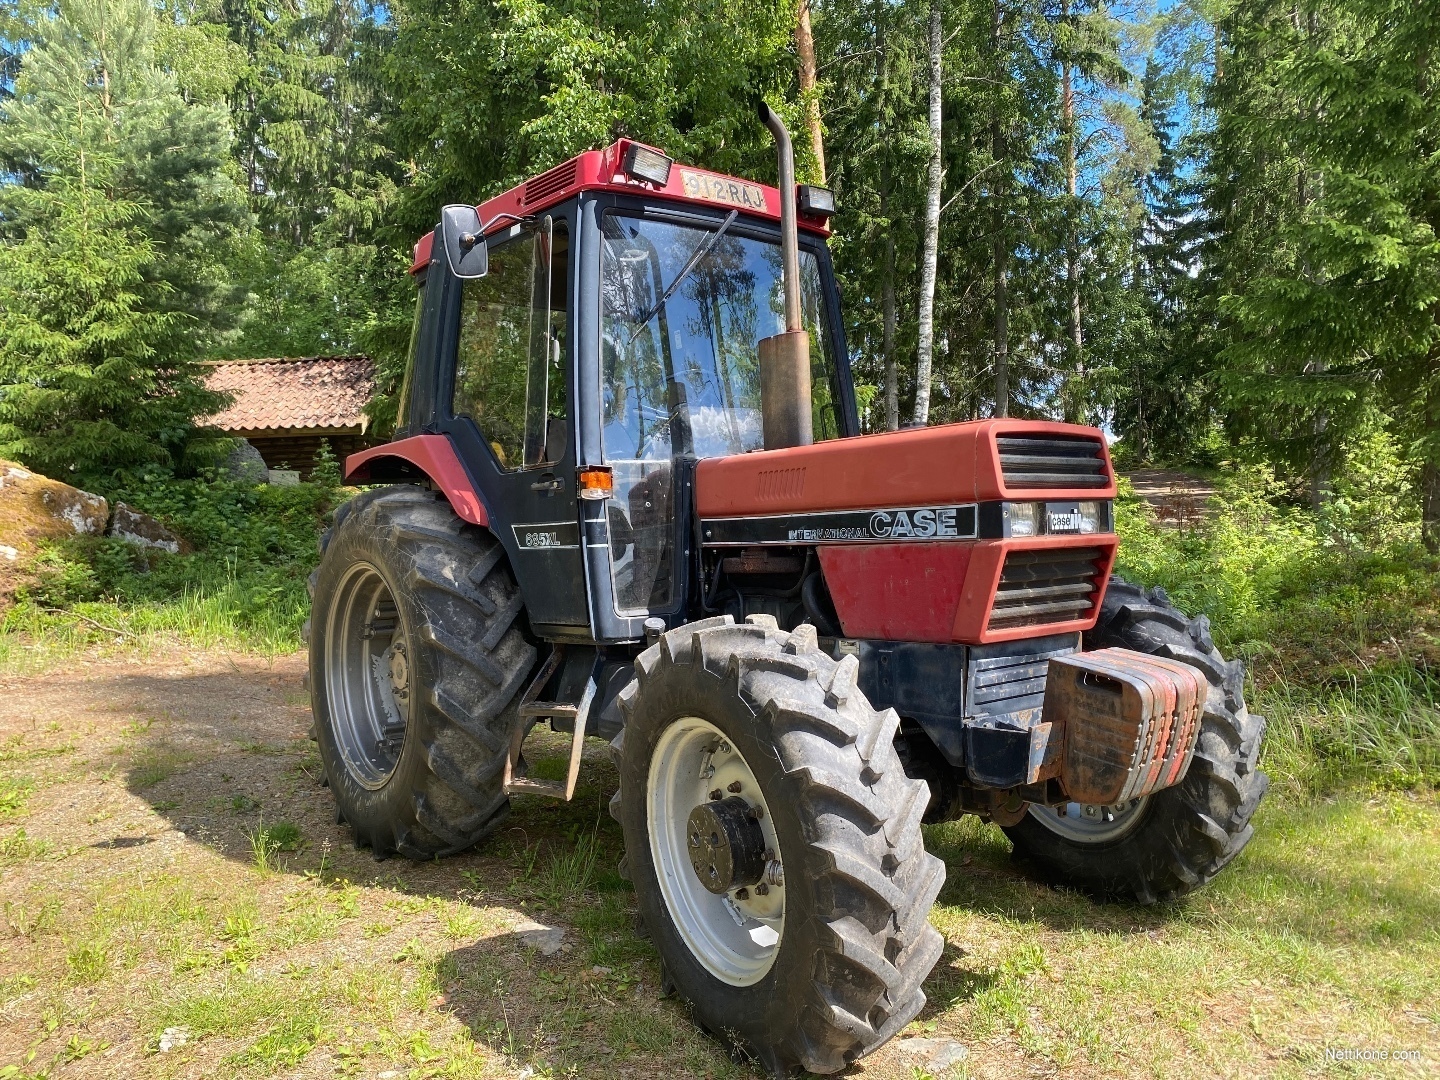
x=1056 y=518
x=1023 y=519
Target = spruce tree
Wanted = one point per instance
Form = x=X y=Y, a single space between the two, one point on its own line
x=1326 y=189
x=110 y=277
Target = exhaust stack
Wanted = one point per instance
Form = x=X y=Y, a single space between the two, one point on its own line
x=785 y=358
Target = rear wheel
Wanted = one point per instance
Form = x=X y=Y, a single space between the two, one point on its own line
x=1166 y=844
x=774 y=842
x=415 y=662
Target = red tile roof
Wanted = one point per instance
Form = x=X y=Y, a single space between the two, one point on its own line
x=326 y=392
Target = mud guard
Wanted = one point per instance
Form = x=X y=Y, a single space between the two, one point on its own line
x=431 y=457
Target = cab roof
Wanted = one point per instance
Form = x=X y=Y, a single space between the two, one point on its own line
x=602 y=170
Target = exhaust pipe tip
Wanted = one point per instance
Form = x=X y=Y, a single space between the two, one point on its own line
x=785 y=358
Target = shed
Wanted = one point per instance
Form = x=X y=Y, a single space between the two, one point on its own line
x=287 y=407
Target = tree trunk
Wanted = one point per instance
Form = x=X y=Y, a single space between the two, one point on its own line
x=887 y=289
x=1002 y=327
x=924 y=351
x=805 y=49
x=887 y=340
x=1075 y=343
x=1430 y=506
x=1001 y=246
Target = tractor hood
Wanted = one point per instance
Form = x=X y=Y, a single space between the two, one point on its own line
x=986 y=531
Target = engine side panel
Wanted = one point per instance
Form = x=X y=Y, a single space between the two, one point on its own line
x=899 y=592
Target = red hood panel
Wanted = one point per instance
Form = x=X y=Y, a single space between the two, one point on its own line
x=953 y=463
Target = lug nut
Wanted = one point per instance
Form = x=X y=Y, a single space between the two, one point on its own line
x=742 y=893
x=762 y=889
x=757 y=812
x=716 y=795
x=724 y=748
x=735 y=786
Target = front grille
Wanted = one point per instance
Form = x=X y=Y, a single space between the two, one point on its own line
x=548 y=183
x=1050 y=586
x=1029 y=461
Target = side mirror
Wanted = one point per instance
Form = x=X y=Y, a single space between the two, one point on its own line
x=464 y=243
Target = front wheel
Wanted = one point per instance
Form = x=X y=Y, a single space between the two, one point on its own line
x=774 y=842
x=1168 y=843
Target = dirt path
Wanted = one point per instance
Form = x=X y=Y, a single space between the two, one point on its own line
x=1178 y=498
x=141 y=938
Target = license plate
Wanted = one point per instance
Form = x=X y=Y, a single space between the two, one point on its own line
x=1065 y=521
x=720 y=189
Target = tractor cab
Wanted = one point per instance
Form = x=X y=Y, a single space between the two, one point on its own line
x=613 y=340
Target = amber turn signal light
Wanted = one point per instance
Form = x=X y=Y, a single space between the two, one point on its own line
x=596 y=482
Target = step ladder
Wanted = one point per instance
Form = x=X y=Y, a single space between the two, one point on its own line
x=533 y=710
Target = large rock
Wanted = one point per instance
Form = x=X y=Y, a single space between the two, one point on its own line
x=139 y=528
x=244 y=463
x=35 y=508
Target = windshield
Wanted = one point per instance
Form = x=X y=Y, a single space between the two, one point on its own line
x=682 y=313
x=683 y=375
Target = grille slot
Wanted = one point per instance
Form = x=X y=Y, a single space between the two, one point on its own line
x=1029 y=461
x=549 y=182
x=1009 y=685
x=1049 y=586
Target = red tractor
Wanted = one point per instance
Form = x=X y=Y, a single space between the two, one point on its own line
x=628 y=495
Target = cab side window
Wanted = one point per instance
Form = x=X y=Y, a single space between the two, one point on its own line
x=509 y=364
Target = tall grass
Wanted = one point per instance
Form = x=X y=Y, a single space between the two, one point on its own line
x=1385 y=728
x=1339 y=627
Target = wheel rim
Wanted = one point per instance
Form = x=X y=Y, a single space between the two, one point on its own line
x=736 y=937
x=367 y=676
x=1088 y=824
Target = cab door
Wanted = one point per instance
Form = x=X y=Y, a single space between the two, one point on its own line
x=510 y=414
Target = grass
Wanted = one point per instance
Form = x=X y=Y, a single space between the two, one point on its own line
x=267 y=842
x=243 y=586
x=14 y=792
x=1325 y=933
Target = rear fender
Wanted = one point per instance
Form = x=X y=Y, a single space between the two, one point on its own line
x=421 y=457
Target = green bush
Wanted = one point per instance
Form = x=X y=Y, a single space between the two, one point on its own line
x=244 y=583
x=1339 y=626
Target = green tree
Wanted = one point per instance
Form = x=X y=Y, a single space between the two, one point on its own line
x=310 y=113
x=110 y=277
x=1325 y=186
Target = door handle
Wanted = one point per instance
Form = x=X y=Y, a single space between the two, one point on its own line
x=549 y=484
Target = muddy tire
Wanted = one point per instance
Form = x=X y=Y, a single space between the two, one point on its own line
x=852 y=938
x=1176 y=840
x=416 y=662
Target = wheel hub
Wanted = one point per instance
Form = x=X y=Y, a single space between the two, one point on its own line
x=367 y=675
x=399 y=670
x=726 y=845
x=717 y=855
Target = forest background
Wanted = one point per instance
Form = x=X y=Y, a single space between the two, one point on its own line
x=1209 y=226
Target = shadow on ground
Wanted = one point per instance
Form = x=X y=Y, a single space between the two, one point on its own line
x=222 y=754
